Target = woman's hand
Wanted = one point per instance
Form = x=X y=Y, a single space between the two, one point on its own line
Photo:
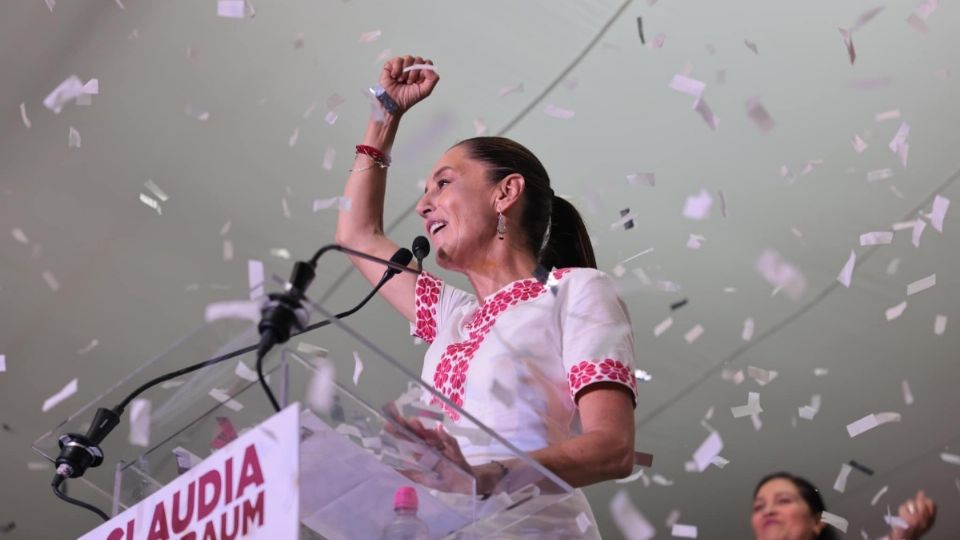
x=452 y=473
x=407 y=88
x=919 y=513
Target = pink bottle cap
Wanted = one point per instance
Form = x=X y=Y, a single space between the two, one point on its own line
x=405 y=499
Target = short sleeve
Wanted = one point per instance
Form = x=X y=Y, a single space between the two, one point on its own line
x=435 y=301
x=597 y=334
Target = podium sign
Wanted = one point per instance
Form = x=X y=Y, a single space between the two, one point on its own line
x=249 y=489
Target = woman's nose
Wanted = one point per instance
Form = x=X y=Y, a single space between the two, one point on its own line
x=424 y=206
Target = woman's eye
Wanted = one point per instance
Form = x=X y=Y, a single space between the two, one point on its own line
x=441 y=183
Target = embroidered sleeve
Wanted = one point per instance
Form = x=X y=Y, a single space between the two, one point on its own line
x=597 y=334
x=427 y=294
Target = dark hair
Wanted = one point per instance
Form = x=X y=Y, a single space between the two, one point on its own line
x=568 y=244
x=810 y=495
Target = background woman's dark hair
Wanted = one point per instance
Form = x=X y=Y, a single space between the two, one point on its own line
x=568 y=244
x=809 y=493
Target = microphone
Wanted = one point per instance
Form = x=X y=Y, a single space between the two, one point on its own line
x=421 y=248
x=403 y=256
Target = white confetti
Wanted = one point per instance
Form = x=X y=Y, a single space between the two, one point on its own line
x=90 y=346
x=921 y=285
x=762 y=376
x=64 y=93
x=661 y=480
x=705 y=112
x=871 y=421
x=73 y=138
x=420 y=67
x=151 y=203
x=20 y=236
x=225 y=399
x=873 y=501
x=940 y=206
x=255 y=278
x=808 y=412
x=479 y=127
x=649 y=179
x=896 y=311
x=781 y=274
x=723 y=203
x=750 y=409
x=292 y=140
x=370 y=37
x=196 y=114
x=821 y=372
x=840 y=484
x=54 y=400
x=51 y=280
x=879 y=174
x=280 y=253
x=506 y=90
x=900 y=138
x=140 y=422
x=583 y=522
x=751 y=45
x=895 y=521
x=23 y=115
x=952 y=459
x=357 y=368
x=227 y=250
x=245 y=372
x=232 y=9
x=693 y=334
x=918 y=227
x=834 y=520
x=322 y=388
x=672 y=518
x=342 y=203
x=3 y=363
x=698 y=206
x=686 y=85
x=186 y=459
x=238 y=309
x=226 y=228
x=876 y=238
x=695 y=241
x=558 y=112
x=155 y=189
x=328 y=156
x=632 y=478
x=940 y=325
x=736 y=377
x=663 y=326
x=285 y=207
x=893 y=265
x=709 y=449
x=887 y=115
x=846 y=273
x=907 y=394
x=858 y=144
x=747 y=333
x=330 y=117
x=759 y=115
x=632 y=524
x=684 y=531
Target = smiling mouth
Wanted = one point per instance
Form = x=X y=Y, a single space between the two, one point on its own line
x=436 y=228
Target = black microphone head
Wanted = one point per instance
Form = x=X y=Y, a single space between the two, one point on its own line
x=403 y=256
x=421 y=247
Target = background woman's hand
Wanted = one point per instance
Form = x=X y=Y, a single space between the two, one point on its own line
x=408 y=88
x=919 y=513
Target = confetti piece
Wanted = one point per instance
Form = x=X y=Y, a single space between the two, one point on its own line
x=873 y=501
x=50 y=4
x=255 y=278
x=20 y=236
x=558 y=112
x=808 y=412
x=140 y=422
x=328 y=156
x=751 y=45
x=917 y=23
x=694 y=241
x=239 y=309
x=846 y=273
x=632 y=524
x=895 y=521
x=330 y=117
x=479 y=127
x=342 y=203
x=186 y=459
x=65 y=92
x=918 y=228
x=697 y=206
x=762 y=376
x=840 y=484
x=357 y=368
x=420 y=67
x=896 y=311
x=3 y=363
x=649 y=179
x=663 y=326
x=723 y=203
x=859 y=145
x=225 y=399
x=892 y=114
x=736 y=377
x=583 y=522
x=322 y=388
x=632 y=478
x=625 y=222
x=821 y=372
x=679 y=304
x=708 y=449
x=863 y=19
x=752 y=407
x=926 y=8
x=921 y=284
x=231 y=9
x=280 y=253
x=23 y=115
x=834 y=520
x=686 y=85
x=227 y=433
x=54 y=400
x=847 y=38
x=658 y=41
x=940 y=206
x=51 y=281
x=876 y=238
x=684 y=531
x=506 y=90
x=73 y=138
x=747 y=333
x=196 y=114
x=940 y=325
x=642 y=40
x=245 y=372
x=38 y=465
x=226 y=228
x=693 y=334
x=151 y=203
x=660 y=480
x=227 y=250
x=900 y=138
x=171 y=384
x=871 y=421
x=705 y=112
x=952 y=459
x=759 y=115
x=292 y=141
x=781 y=274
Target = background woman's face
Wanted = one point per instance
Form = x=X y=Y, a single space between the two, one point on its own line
x=780 y=513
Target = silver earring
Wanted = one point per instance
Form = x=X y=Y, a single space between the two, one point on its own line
x=501 y=225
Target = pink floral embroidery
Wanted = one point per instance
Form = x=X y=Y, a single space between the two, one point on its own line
x=451 y=374
x=427 y=297
x=589 y=372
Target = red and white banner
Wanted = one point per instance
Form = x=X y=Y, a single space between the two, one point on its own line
x=249 y=489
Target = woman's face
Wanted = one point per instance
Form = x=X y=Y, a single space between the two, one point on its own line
x=459 y=211
x=780 y=513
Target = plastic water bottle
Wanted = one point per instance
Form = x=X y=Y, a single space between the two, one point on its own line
x=406 y=525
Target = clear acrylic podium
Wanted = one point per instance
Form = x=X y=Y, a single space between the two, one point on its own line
x=353 y=453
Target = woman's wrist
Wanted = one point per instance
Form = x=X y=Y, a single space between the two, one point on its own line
x=381 y=134
x=489 y=476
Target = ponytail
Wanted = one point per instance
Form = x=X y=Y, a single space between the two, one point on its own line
x=567 y=241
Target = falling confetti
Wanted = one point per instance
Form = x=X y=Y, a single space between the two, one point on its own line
x=698 y=206
x=693 y=334
x=921 y=284
x=632 y=524
x=940 y=325
x=759 y=115
x=73 y=138
x=871 y=421
x=558 y=112
x=846 y=273
x=54 y=400
x=140 y=422
x=896 y=311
